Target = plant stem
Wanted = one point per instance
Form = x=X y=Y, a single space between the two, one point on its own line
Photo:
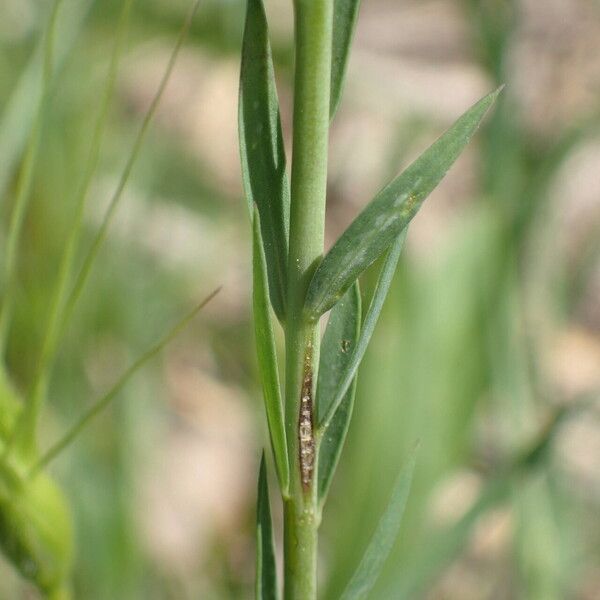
x=313 y=22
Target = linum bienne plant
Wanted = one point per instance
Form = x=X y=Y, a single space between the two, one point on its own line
x=309 y=420
x=36 y=532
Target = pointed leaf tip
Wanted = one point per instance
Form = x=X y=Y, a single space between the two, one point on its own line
x=266 y=571
x=392 y=209
x=385 y=535
x=345 y=14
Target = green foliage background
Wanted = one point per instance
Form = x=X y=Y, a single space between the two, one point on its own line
x=492 y=322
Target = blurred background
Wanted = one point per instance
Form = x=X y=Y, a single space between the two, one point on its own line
x=492 y=326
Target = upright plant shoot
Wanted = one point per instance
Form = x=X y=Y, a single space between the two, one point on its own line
x=308 y=422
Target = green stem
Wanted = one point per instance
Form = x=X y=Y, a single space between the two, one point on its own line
x=313 y=21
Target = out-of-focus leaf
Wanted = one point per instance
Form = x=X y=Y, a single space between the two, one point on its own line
x=266 y=571
x=25 y=430
x=19 y=114
x=267 y=357
x=262 y=151
x=429 y=562
x=373 y=231
x=383 y=539
x=337 y=350
x=345 y=13
x=350 y=367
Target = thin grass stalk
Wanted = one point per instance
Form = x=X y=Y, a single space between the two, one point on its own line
x=313 y=30
x=90 y=258
x=105 y=400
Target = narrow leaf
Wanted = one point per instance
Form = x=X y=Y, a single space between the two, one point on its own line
x=267 y=357
x=266 y=572
x=345 y=13
x=261 y=150
x=373 y=231
x=348 y=376
x=384 y=537
x=105 y=400
x=337 y=349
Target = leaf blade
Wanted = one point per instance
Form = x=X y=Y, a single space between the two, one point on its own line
x=266 y=572
x=383 y=539
x=339 y=340
x=262 y=152
x=379 y=295
x=375 y=228
x=345 y=14
x=267 y=357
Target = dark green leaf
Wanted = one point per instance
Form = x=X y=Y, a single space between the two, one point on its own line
x=266 y=572
x=373 y=231
x=261 y=149
x=384 y=537
x=345 y=13
x=267 y=357
x=338 y=347
x=328 y=416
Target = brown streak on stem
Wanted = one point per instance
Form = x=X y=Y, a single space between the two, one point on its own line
x=306 y=439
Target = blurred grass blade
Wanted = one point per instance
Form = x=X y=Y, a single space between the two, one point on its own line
x=261 y=150
x=20 y=111
x=51 y=337
x=52 y=332
x=267 y=357
x=426 y=565
x=383 y=539
x=345 y=13
x=266 y=571
x=337 y=348
x=103 y=402
x=90 y=258
x=373 y=231
x=25 y=181
x=327 y=418
x=25 y=432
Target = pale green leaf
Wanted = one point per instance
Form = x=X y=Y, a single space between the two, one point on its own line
x=374 y=230
x=267 y=357
x=383 y=539
x=266 y=571
x=337 y=349
x=345 y=13
x=261 y=150
x=329 y=416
